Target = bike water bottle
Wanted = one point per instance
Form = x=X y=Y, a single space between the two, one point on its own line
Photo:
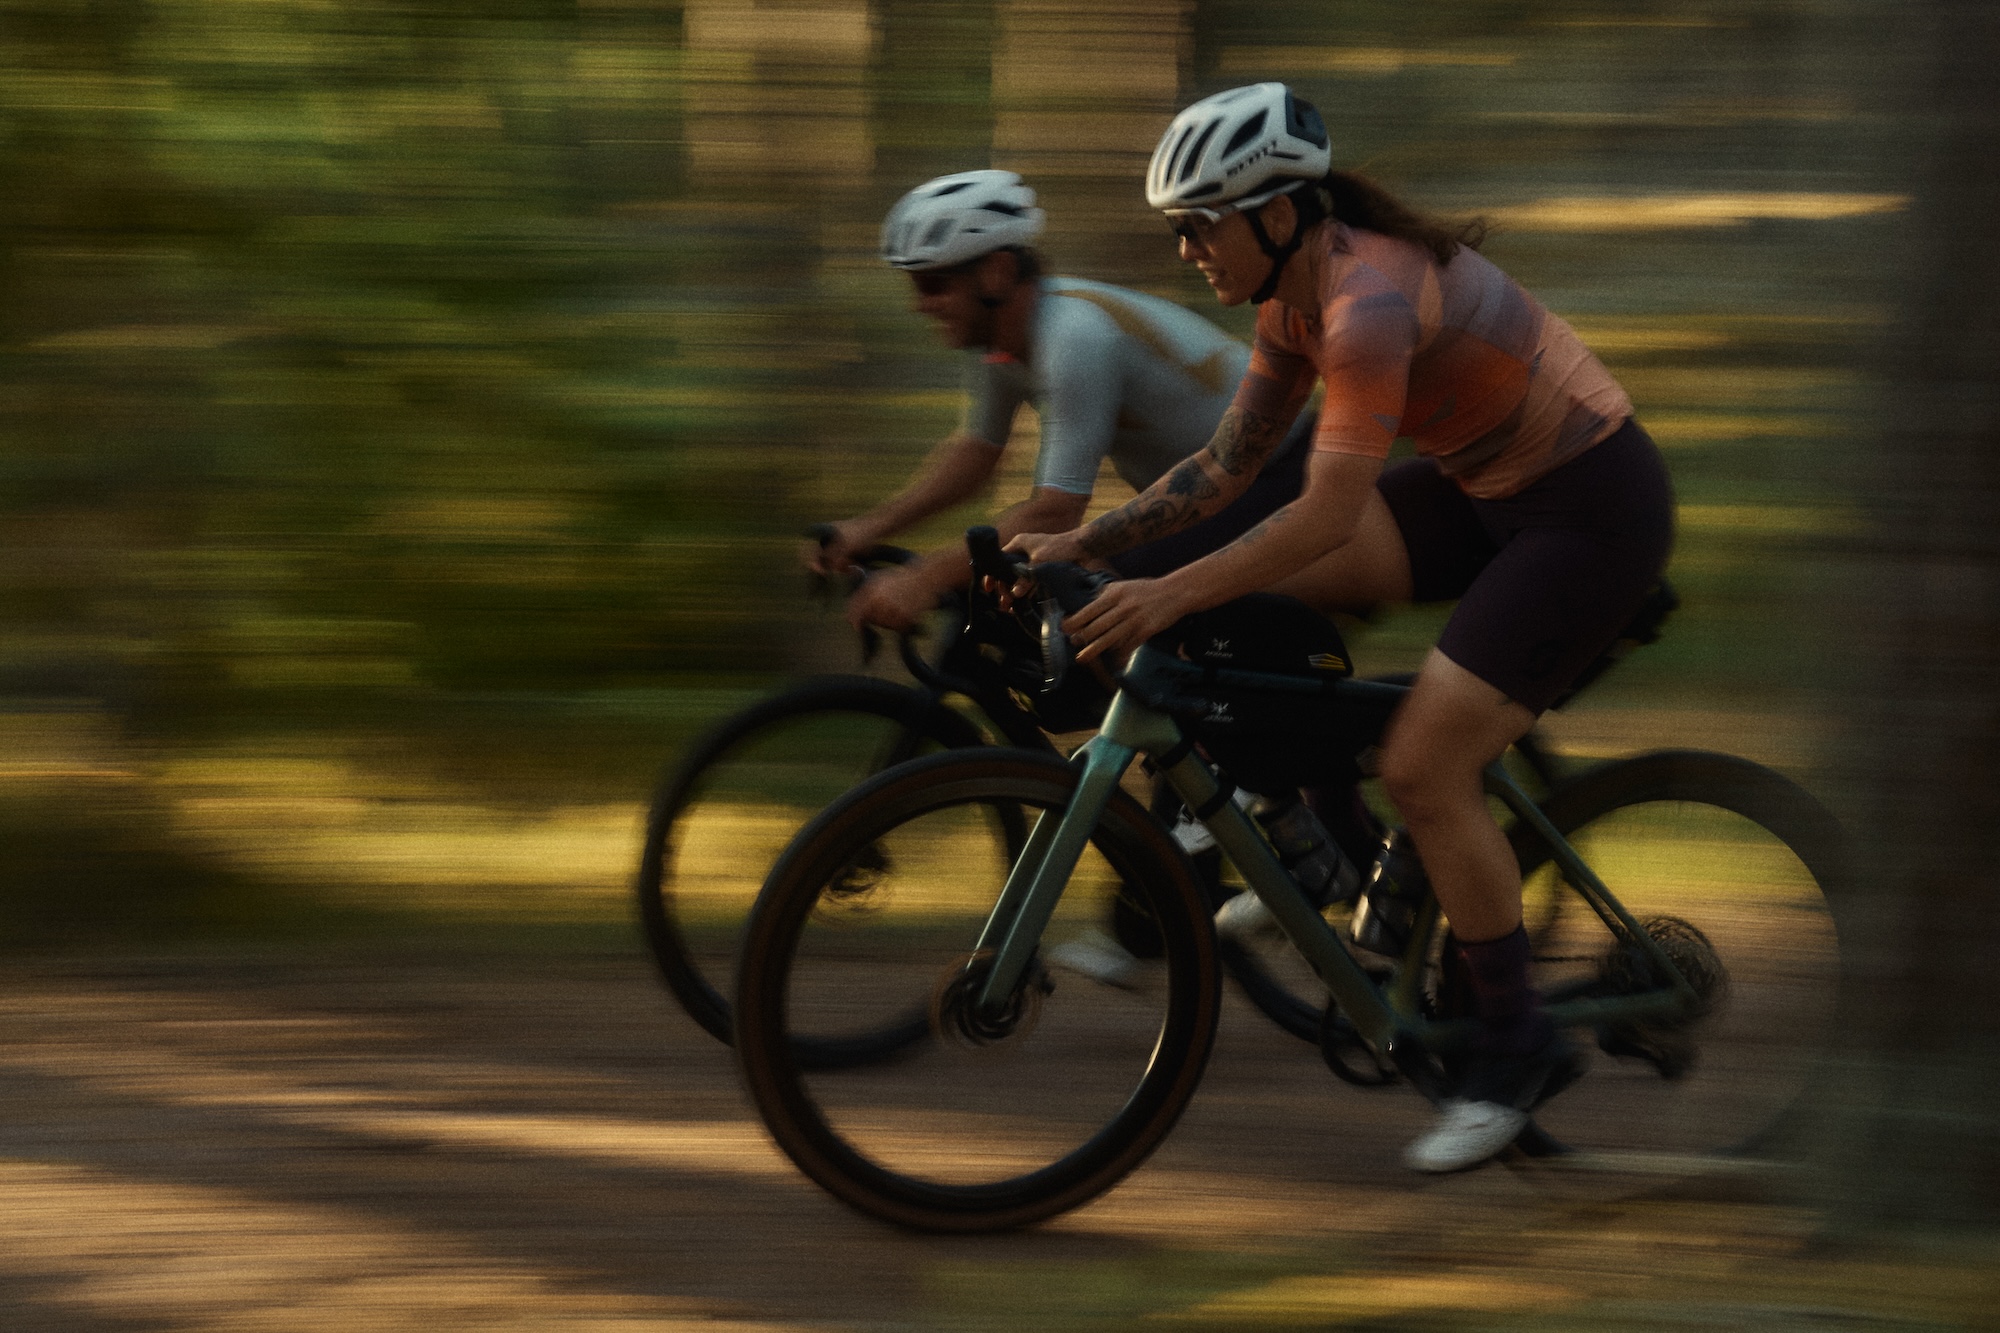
x=1389 y=908
x=1305 y=848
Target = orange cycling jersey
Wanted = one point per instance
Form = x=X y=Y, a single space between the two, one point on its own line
x=1457 y=357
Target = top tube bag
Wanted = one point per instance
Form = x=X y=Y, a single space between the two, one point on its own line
x=1252 y=688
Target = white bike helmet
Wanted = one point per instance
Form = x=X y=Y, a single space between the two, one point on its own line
x=950 y=220
x=1243 y=147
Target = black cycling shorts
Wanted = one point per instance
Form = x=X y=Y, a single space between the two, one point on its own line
x=1544 y=578
x=1276 y=485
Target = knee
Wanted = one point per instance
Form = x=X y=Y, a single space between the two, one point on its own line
x=1427 y=782
x=1409 y=780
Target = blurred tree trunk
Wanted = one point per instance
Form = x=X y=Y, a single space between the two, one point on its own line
x=1923 y=599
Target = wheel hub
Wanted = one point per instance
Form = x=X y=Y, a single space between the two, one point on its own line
x=955 y=1013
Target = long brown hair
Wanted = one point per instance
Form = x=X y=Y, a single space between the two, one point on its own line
x=1360 y=202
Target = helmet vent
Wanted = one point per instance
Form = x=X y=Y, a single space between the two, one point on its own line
x=937 y=231
x=952 y=188
x=1249 y=130
x=1194 y=151
x=1174 y=158
x=1304 y=122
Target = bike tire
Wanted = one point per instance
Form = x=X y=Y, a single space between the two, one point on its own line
x=692 y=934
x=978 y=1128
x=1757 y=866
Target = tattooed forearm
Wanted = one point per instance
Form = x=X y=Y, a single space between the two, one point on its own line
x=1242 y=442
x=1188 y=479
x=1141 y=520
x=1168 y=505
x=1244 y=439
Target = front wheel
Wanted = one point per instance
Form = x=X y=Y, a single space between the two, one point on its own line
x=738 y=794
x=1738 y=872
x=993 y=1120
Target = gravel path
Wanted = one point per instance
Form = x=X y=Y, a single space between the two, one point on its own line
x=251 y=1142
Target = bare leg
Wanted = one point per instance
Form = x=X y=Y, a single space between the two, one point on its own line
x=1447 y=731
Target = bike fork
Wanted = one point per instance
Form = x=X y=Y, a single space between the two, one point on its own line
x=1035 y=885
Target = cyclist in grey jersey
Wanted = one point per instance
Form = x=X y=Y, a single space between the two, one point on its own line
x=1111 y=372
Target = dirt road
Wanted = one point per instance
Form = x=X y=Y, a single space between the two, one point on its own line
x=539 y=1141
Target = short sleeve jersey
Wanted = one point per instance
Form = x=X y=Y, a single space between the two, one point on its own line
x=1457 y=357
x=1111 y=372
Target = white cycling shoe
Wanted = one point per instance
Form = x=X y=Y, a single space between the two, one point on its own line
x=1504 y=1090
x=1096 y=955
x=1245 y=920
x=1466 y=1134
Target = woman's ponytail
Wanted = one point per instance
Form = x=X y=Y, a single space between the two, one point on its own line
x=1360 y=202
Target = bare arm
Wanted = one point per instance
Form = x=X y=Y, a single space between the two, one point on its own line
x=897 y=599
x=1324 y=518
x=1045 y=510
x=1198 y=486
x=955 y=471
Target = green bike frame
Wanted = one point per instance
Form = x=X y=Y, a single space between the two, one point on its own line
x=1389 y=1017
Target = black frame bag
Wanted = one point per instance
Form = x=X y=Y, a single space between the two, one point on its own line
x=1254 y=691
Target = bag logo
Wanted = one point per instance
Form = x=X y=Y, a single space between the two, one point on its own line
x=1327 y=662
x=1219 y=648
x=1218 y=712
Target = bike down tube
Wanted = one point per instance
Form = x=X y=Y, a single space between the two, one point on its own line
x=1675 y=999
x=1035 y=885
x=1245 y=846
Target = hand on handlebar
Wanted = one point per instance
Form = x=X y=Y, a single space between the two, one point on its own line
x=894 y=599
x=831 y=548
x=1123 y=616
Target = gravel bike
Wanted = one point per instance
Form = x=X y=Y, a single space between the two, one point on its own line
x=1702 y=955
x=732 y=799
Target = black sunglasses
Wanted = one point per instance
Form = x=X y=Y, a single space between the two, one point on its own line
x=936 y=281
x=1194 y=225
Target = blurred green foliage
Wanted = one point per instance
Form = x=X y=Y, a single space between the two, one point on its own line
x=448 y=381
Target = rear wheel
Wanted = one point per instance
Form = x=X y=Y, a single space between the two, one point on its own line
x=1737 y=871
x=736 y=797
x=990 y=1121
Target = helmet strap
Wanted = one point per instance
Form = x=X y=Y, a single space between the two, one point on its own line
x=1309 y=209
x=1280 y=255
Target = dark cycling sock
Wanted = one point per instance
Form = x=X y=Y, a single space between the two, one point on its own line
x=1511 y=1020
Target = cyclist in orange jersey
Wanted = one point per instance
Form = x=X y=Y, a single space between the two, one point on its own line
x=1535 y=501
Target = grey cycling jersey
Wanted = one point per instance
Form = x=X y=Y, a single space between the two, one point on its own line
x=1111 y=372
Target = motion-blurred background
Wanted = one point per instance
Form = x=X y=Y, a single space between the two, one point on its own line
x=408 y=411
